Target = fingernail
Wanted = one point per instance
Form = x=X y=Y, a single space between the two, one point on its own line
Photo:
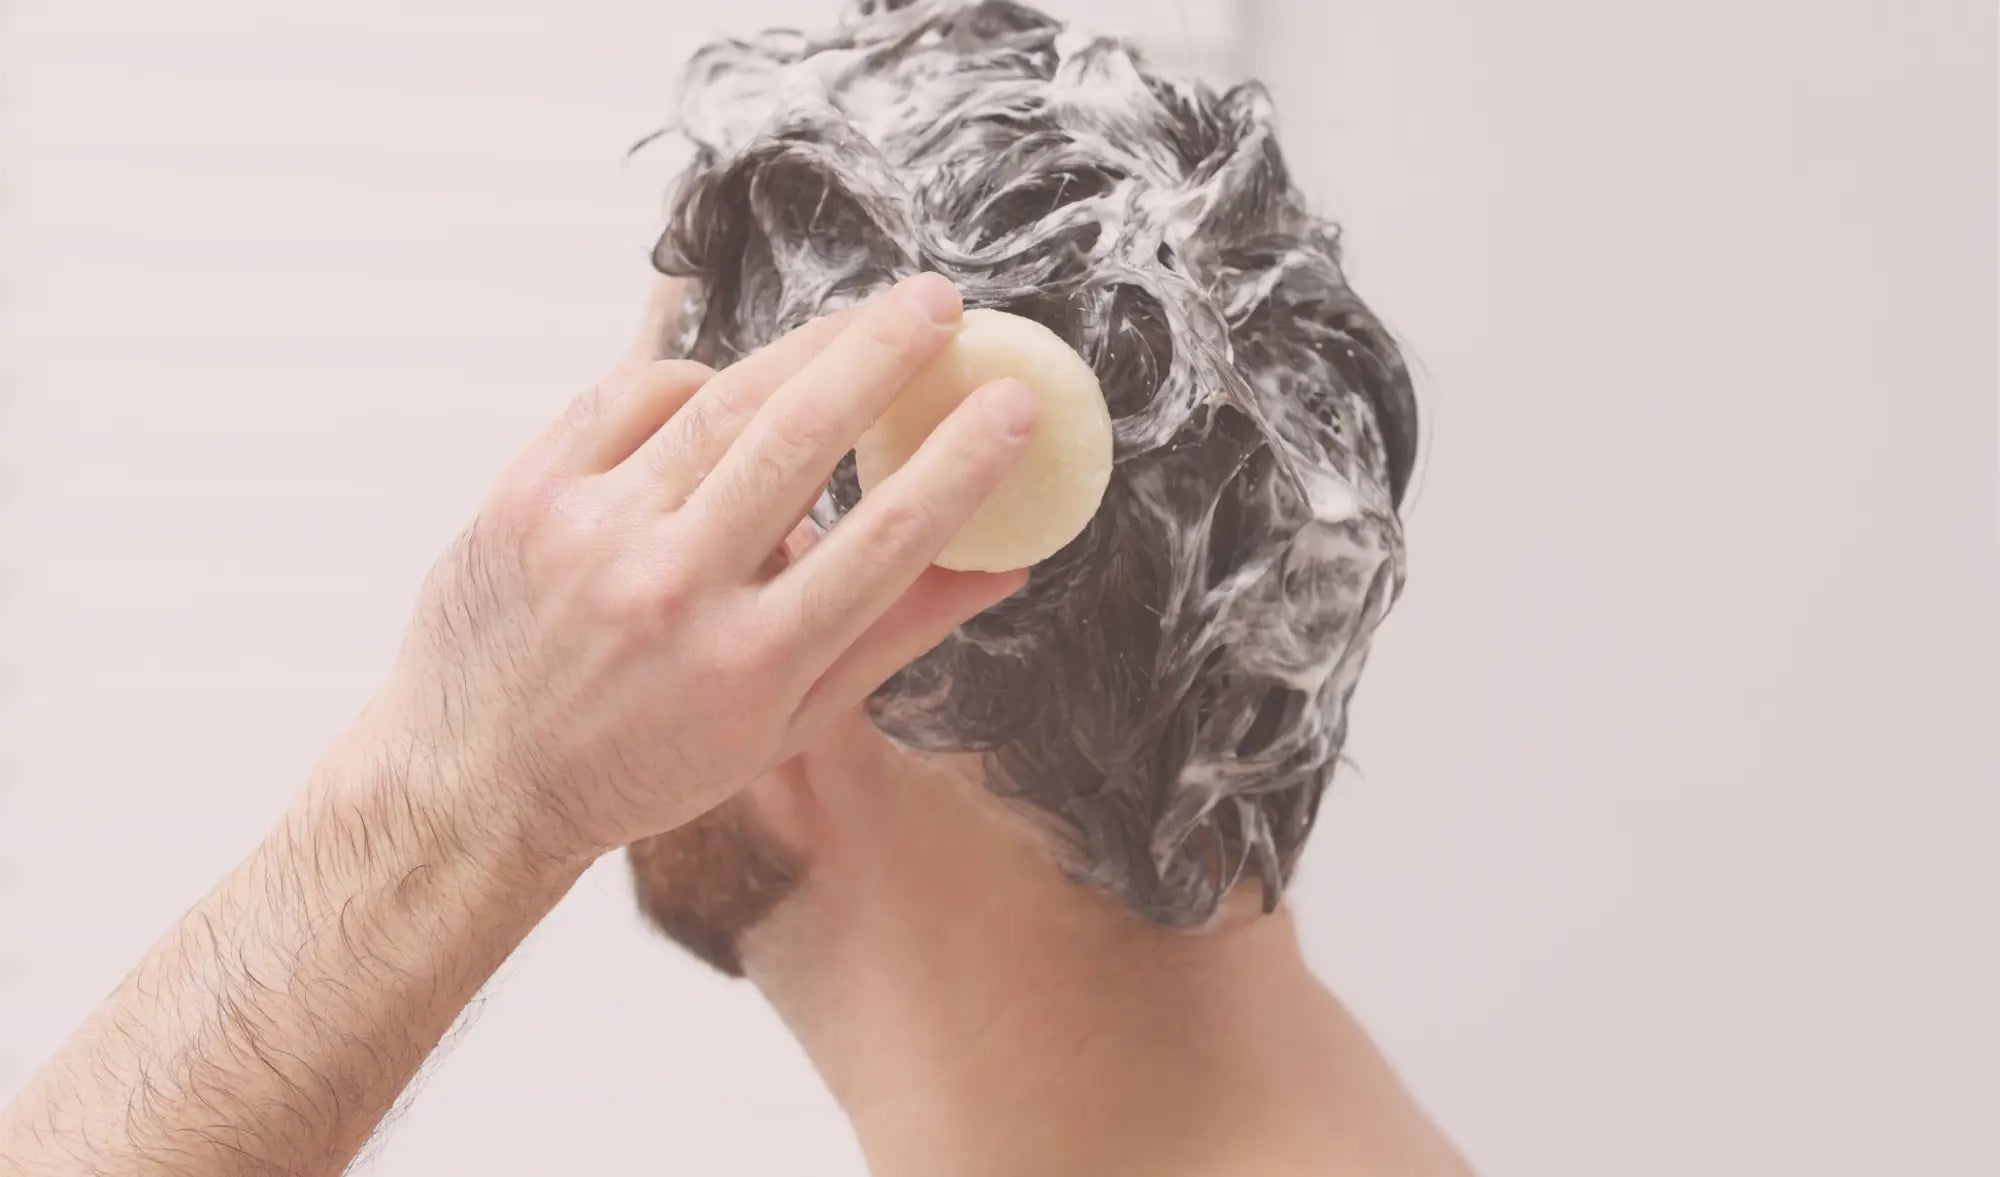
x=934 y=296
x=1012 y=406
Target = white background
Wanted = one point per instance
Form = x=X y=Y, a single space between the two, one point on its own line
x=1671 y=845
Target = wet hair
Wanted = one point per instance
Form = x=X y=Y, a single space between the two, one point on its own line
x=1169 y=695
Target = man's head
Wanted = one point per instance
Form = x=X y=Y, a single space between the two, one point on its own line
x=1167 y=697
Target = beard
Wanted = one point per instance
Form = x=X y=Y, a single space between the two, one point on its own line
x=709 y=882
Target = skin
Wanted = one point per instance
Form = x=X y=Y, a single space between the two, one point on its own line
x=635 y=631
x=616 y=645
x=976 y=1013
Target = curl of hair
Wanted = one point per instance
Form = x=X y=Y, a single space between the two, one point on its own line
x=1169 y=694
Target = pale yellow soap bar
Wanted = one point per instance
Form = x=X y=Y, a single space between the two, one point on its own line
x=1052 y=494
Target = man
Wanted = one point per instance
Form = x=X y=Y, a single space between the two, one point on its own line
x=1006 y=851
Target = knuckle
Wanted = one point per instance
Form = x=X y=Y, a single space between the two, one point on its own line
x=992 y=455
x=901 y=529
x=676 y=585
x=817 y=605
x=554 y=524
x=689 y=434
x=588 y=405
x=668 y=588
x=626 y=600
x=742 y=657
x=896 y=328
x=802 y=431
x=640 y=596
x=752 y=476
x=729 y=400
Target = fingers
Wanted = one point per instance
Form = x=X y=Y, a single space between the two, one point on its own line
x=939 y=602
x=599 y=422
x=838 y=590
x=670 y=464
x=602 y=427
x=788 y=450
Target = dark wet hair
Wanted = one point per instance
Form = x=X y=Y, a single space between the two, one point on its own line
x=1169 y=694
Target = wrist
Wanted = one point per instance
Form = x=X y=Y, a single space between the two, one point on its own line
x=386 y=787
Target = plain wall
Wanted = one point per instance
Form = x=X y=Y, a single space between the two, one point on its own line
x=1674 y=848
x=1671 y=842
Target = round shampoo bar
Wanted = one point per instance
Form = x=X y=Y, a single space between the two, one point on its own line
x=1047 y=499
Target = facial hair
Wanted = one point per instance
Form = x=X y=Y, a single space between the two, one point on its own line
x=709 y=882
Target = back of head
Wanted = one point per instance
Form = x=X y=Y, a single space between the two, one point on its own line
x=1169 y=694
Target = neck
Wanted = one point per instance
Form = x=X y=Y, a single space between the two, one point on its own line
x=975 y=1013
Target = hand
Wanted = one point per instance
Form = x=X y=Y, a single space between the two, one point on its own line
x=621 y=640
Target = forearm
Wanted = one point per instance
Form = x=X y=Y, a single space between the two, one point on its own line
x=271 y=1030
x=615 y=646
